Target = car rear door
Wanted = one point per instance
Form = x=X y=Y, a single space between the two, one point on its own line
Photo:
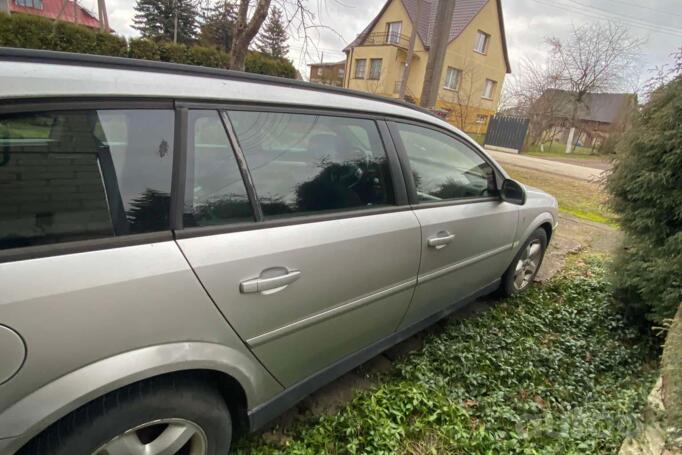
x=467 y=230
x=327 y=262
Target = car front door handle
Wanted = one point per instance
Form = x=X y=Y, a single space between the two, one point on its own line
x=269 y=285
x=440 y=240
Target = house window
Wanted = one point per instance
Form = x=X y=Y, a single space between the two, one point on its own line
x=360 y=65
x=480 y=118
x=341 y=73
x=452 y=78
x=319 y=71
x=374 y=68
x=489 y=89
x=37 y=4
x=482 y=40
x=393 y=35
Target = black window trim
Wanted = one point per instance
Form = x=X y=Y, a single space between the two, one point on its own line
x=407 y=169
x=104 y=243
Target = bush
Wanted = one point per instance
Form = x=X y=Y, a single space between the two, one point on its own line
x=144 y=49
x=259 y=63
x=208 y=56
x=174 y=53
x=114 y=45
x=646 y=185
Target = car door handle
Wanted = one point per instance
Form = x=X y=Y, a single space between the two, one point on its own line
x=440 y=240
x=269 y=285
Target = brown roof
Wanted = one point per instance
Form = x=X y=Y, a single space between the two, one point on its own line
x=465 y=11
x=340 y=62
x=595 y=107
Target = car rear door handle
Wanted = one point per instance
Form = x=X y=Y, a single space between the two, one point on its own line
x=440 y=240
x=269 y=285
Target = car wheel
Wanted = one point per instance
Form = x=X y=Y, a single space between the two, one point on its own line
x=169 y=415
x=526 y=263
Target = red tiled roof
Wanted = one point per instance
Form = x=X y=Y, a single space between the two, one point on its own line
x=51 y=9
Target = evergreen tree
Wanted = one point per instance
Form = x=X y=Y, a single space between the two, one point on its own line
x=272 y=39
x=218 y=23
x=155 y=19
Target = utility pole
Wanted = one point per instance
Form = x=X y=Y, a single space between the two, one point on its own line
x=439 y=43
x=175 y=21
x=75 y=11
x=410 y=52
x=103 y=17
x=4 y=7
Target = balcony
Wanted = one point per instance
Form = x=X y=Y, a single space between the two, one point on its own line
x=386 y=38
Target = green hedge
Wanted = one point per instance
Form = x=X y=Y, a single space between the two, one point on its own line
x=646 y=185
x=33 y=32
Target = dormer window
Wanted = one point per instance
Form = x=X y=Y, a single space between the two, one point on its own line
x=482 y=40
x=393 y=32
x=37 y=4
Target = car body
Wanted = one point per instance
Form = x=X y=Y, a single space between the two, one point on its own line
x=183 y=219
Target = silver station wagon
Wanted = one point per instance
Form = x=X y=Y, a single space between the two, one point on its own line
x=187 y=252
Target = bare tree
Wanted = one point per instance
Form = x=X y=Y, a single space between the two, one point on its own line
x=466 y=98
x=245 y=29
x=595 y=58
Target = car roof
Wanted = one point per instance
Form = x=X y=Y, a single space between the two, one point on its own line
x=28 y=73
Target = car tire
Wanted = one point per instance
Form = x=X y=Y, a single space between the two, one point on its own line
x=525 y=265
x=161 y=412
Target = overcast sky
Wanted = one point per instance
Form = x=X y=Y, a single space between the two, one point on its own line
x=527 y=24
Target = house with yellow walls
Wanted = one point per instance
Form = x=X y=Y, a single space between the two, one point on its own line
x=474 y=67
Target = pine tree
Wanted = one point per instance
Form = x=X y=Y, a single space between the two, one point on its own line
x=218 y=23
x=272 y=39
x=155 y=19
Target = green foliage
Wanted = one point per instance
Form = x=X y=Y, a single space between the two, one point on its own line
x=156 y=19
x=257 y=62
x=207 y=56
x=144 y=49
x=174 y=53
x=646 y=189
x=556 y=370
x=671 y=363
x=272 y=39
x=217 y=24
x=108 y=44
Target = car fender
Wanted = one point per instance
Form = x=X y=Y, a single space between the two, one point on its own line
x=539 y=220
x=65 y=394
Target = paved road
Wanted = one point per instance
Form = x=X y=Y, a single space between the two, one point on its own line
x=551 y=167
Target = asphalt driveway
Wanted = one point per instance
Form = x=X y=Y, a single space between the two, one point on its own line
x=584 y=173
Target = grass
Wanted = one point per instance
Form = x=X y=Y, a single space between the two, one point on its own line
x=581 y=199
x=556 y=370
x=557 y=150
x=672 y=379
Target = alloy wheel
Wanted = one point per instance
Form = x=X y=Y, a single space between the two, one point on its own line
x=158 y=437
x=527 y=265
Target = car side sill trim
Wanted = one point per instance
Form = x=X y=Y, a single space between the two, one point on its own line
x=333 y=312
x=467 y=262
x=261 y=415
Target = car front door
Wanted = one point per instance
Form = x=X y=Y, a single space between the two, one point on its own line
x=467 y=230
x=329 y=262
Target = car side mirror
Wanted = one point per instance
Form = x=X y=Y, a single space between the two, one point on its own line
x=513 y=192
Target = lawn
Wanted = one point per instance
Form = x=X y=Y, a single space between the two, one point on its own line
x=559 y=151
x=581 y=199
x=555 y=371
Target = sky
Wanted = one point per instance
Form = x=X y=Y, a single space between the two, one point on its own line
x=528 y=23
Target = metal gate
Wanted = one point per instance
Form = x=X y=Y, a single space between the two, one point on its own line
x=506 y=133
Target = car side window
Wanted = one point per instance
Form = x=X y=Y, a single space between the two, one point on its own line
x=443 y=167
x=310 y=163
x=215 y=192
x=85 y=174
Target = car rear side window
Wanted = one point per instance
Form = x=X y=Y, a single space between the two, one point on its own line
x=86 y=174
x=215 y=191
x=444 y=168
x=304 y=163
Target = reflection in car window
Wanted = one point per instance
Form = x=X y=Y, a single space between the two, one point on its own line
x=306 y=163
x=443 y=167
x=76 y=175
x=215 y=191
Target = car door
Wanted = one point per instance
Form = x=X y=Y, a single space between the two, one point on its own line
x=328 y=262
x=467 y=230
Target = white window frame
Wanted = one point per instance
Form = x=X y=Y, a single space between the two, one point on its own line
x=372 y=76
x=393 y=36
x=489 y=89
x=360 y=70
x=448 y=78
x=319 y=71
x=481 y=44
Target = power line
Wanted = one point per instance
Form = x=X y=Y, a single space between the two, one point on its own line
x=595 y=15
x=630 y=18
x=667 y=13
